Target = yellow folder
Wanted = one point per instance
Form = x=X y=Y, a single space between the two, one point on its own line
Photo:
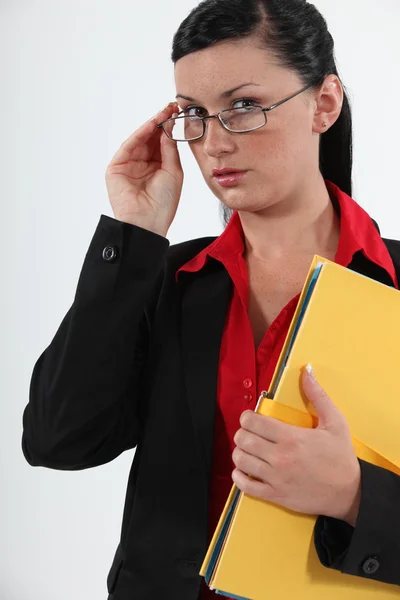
x=348 y=327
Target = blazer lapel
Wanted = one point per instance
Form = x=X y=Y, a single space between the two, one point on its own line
x=205 y=297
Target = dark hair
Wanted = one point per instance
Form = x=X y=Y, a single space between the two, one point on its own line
x=297 y=34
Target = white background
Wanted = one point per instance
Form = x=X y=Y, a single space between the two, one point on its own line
x=77 y=78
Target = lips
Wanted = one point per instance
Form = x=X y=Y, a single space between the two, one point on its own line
x=225 y=171
x=230 y=179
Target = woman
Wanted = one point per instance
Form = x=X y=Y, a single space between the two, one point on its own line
x=167 y=348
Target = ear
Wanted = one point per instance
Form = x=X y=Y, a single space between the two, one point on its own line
x=328 y=104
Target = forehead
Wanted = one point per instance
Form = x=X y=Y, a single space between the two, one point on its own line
x=207 y=73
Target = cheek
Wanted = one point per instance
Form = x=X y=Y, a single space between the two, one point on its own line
x=269 y=152
x=277 y=151
x=283 y=150
x=299 y=138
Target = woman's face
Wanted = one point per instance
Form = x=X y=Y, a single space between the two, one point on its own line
x=279 y=157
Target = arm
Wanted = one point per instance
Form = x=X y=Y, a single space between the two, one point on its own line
x=372 y=548
x=84 y=390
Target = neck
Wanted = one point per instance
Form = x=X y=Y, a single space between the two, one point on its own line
x=300 y=225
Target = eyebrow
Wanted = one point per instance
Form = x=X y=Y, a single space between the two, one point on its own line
x=223 y=95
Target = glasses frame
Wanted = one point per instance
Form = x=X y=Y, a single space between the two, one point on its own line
x=218 y=116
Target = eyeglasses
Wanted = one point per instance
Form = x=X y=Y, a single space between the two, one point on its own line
x=237 y=120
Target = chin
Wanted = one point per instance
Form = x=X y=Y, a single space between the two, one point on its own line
x=244 y=204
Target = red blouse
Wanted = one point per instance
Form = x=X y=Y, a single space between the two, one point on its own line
x=243 y=371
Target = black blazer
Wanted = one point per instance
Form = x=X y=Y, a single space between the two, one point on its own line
x=134 y=362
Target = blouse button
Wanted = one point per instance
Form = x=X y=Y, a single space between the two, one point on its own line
x=248 y=397
x=247 y=383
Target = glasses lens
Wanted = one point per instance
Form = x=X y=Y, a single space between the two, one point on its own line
x=243 y=119
x=238 y=119
x=184 y=128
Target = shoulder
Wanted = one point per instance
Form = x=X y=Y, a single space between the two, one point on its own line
x=393 y=247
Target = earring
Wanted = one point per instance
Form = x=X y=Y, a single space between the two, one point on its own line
x=324 y=124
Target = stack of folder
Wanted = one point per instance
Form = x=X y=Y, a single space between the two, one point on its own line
x=348 y=327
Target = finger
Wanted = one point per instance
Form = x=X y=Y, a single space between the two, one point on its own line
x=267 y=427
x=252 y=487
x=255 y=445
x=143 y=134
x=255 y=466
x=327 y=412
x=165 y=113
x=170 y=155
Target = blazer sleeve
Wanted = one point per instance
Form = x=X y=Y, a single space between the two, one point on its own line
x=84 y=389
x=372 y=548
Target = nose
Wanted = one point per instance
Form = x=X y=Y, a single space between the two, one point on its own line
x=216 y=138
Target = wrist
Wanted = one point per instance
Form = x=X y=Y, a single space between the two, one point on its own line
x=158 y=230
x=352 y=499
x=351 y=515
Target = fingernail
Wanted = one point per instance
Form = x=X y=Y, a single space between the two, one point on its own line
x=310 y=371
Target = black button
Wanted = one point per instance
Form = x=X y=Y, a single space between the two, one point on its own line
x=109 y=253
x=371 y=565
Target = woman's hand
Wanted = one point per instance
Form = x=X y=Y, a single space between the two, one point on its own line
x=311 y=471
x=144 y=178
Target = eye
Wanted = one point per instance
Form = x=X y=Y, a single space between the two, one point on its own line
x=198 y=111
x=194 y=111
x=248 y=103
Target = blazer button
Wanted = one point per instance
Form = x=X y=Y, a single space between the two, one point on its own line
x=371 y=565
x=109 y=253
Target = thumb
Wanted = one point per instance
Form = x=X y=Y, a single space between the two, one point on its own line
x=170 y=158
x=328 y=414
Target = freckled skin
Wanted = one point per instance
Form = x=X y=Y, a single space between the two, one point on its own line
x=283 y=202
